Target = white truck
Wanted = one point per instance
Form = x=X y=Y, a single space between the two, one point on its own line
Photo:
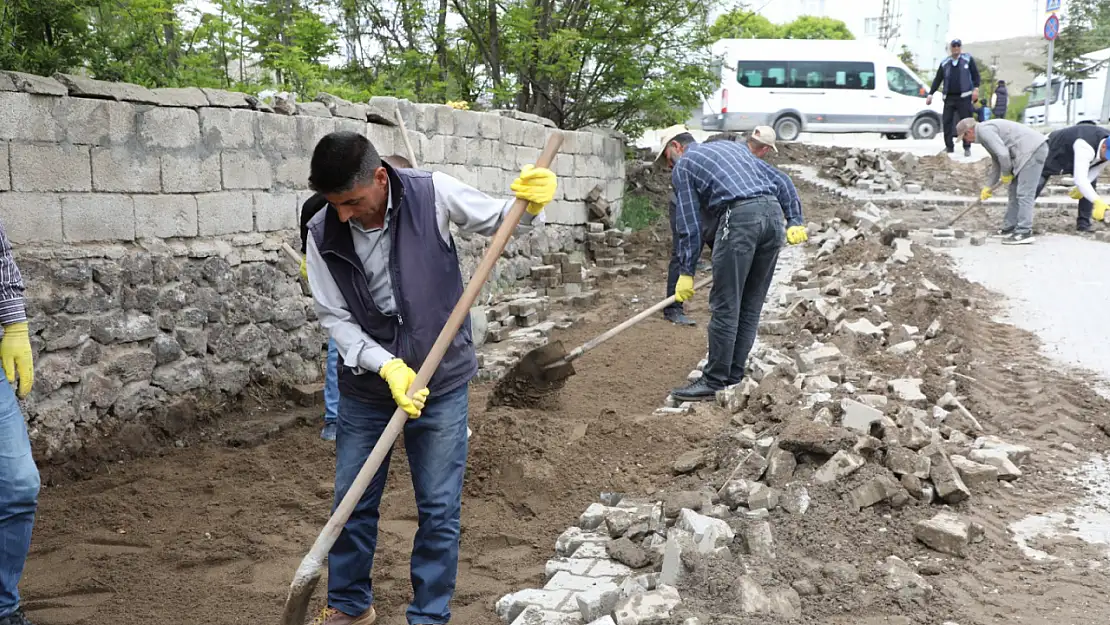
x=797 y=85
x=1082 y=101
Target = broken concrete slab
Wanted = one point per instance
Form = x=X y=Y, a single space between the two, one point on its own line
x=802 y=436
x=862 y=327
x=735 y=492
x=1000 y=460
x=700 y=526
x=753 y=599
x=950 y=487
x=690 y=461
x=795 y=499
x=512 y=605
x=946 y=533
x=903 y=348
x=678 y=541
x=818 y=384
x=901 y=578
x=780 y=467
x=750 y=468
x=876 y=490
x=814 y=357
x=839 y=466
x=858 y=417
x=1017 y=453
x=908 y=390
x=975 y=474
x=762 y=497
x=627 y=553
x=755 y=537
x=650 y=608
x=904 y=461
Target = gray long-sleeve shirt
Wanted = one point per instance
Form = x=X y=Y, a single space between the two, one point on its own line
x=12 y=309
x=456 y=203
x=1010 y=145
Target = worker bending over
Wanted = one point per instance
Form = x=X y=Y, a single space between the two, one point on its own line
x=751 y=201
x=1080 y=151
x=1018 y=154
x=384 y=273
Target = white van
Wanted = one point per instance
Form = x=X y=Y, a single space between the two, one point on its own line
x=797 y=85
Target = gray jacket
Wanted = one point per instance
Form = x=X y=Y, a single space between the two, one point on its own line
x=1010 y=145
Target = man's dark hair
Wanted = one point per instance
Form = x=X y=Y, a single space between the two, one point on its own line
x=340 y=161
x=398 y=161
x=684 y=139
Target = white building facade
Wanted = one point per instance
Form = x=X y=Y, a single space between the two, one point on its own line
x=920 y=25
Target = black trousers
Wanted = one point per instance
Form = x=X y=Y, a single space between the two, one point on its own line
x=1085 y=209
x=955 y=109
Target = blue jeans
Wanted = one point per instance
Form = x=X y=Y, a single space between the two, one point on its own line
x=19 y=494
x=436 y=446
x=331 y=384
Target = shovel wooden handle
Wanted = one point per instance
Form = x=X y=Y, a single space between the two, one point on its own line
x=587 y=346
x=405 y=136
x=974 y=205
x=308 y=573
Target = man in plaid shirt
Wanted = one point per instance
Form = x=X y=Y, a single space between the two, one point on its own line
x=757 y=207
x=19 y=478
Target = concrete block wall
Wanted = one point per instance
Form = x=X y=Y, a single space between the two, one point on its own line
x=201 y=186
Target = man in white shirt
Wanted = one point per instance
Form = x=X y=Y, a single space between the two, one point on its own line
x=385 y=277
x=1081 y=152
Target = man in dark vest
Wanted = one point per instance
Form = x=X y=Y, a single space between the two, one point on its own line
x=309 y=209
x=1081 y=152
x=385 y=277
x=958 y=78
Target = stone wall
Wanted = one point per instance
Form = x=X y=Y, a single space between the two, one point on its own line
x=149 y=223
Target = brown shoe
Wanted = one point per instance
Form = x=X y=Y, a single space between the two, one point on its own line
x=331 y=616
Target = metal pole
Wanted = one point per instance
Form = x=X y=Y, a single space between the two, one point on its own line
x=1048 y=82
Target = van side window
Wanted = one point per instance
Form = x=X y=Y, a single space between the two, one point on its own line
x=806 y=74
x=761 y=74
x=900 y=81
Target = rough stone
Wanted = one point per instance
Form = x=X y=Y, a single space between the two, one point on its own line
x=762 y=497
x=1017 y=453
x=857 y=417
x=689 y=462
x=780 y=467
x=876 y=490
x=839 y=466
x=795 y=499
x=901 y=578
x=756 y=538
x=975 y=474
x=181 y=376
x=903 y=348
x=89 y=88
x=650 y=608
x=811 y=359
x=999 y=460
x=628 y=553
x=801 y=436
x=753 y=599
x=908 y=390
x=944 y=476
x=702 y=527
x=903 y=461
x=946 y=533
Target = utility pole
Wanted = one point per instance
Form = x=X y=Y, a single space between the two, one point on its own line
x=888 y=23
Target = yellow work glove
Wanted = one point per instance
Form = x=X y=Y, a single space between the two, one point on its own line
x=1097 y=213
x=796 y=235
x=986 y=194
x=537 y=185
x=1075 y=193
x=304 y=270
x=15 y=352
x=684 y=288
x=1007 y=178
x=400 y=377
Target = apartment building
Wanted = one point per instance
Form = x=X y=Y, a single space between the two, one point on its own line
x=920 y=25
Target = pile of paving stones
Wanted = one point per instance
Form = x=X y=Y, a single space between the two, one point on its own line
x=870 y=170
x=810 y=420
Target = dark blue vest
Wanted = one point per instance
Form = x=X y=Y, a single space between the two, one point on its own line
x=426 y=280
x=962 y=81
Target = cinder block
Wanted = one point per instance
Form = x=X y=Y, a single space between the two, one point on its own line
x=466 y=123
x=245 y=170
x=566 y=213
x=50 y=168
x=26 y=117
x=227 y=128
x=291 y=172
x=169 y=127
x=433 y=149
x=31 y=217
x=454 y=150
x=491 y=180
x=225 y=213
x=563 y=165
x=479 y=152
x=165 y=216
x=5 y=171
x=98 y=217
x=512 y=131
x=275 y=211
x=311 y=129
x=383 y=138
x=190 y=174
x=121 y=170
x=97 y=122
x=489 y=125
x=278 y=134
x=534 y=134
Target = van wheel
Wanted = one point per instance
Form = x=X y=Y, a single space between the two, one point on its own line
x=925 y=128
x=787 y=128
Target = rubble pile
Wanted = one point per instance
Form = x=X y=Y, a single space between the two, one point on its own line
x=849 y=426
x=870 y=170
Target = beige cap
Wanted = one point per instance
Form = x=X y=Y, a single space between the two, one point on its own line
x=765 y=135
x=667 y=135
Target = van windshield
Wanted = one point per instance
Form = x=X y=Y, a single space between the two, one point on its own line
x=806 y=74
x=1036 y=98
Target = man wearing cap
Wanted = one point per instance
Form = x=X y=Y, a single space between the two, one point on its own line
x=958 y=78
x=1080 y=151
x=760 y=141
x=751 y=201
x=1018 y=154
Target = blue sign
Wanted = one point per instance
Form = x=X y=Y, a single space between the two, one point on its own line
x=1052 y=5
x=1051 y=27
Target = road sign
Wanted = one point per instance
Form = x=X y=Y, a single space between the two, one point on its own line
x=1051 y=27
x=1052 y=5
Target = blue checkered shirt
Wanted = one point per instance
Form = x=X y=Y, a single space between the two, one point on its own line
x=715 y=175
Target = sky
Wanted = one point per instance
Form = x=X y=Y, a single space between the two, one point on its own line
x=989 y=20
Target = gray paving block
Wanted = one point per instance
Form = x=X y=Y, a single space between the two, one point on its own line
x=226 y=99
x=165 y=216
x=31 y=217
x=98 y=217
x=313 y=109
x=121 y=170
x=189 y=97
x=225 y=128
x=190 y=173
x=245 y=170
x=50 y=168
x=225 y=213
x=30 y=83
x=97 y=122
x=25 y=117
x=82 y=86
x=275 y=211
x=169 y=127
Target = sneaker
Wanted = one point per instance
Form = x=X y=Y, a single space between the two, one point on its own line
x=328 y=432
x=1003 y=233
x=697 y=391
x=1019 y=238
x=967 y=152
x=331 y=616
x=1087 y=230
x=678 y=318
x=15 y=618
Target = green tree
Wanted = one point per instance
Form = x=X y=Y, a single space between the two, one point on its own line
x=743 y=24
x=810 y=27
x=42 y=36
